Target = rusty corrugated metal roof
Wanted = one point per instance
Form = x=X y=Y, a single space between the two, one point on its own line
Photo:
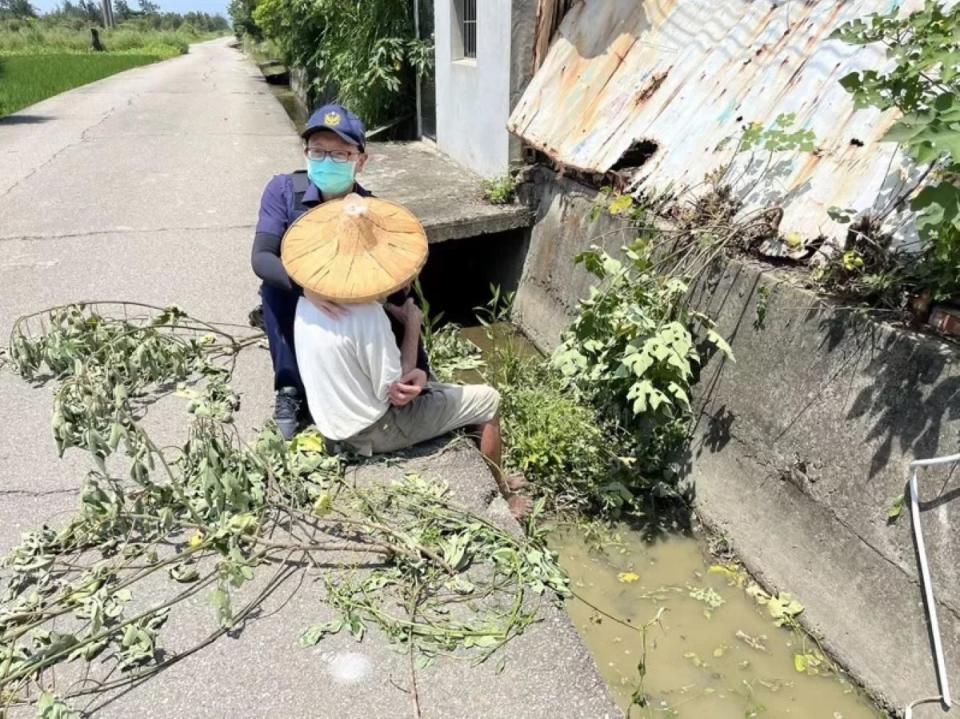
x=689 y=74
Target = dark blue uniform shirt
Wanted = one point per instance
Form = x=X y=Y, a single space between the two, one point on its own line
x=278 y=207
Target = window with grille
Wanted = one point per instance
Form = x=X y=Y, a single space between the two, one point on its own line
x=468 y=27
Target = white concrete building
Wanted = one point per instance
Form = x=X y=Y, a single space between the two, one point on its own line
x=484 y=58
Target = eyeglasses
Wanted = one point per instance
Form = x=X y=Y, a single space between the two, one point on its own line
x=335 y=155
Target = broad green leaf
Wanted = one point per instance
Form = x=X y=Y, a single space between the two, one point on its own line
x=720 y=343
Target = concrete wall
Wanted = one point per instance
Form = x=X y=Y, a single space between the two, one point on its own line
x=473 y=95
x=523 y=34
x=800 y=446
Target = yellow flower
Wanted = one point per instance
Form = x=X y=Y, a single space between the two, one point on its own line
x=628 y=577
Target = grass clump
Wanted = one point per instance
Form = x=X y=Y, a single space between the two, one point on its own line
x=500 y=190
x=551 y=436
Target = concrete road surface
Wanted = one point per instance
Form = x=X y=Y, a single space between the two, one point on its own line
x=145 y=186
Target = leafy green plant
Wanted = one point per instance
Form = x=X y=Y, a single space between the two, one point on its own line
x=923 y=85
x=451 y=354
x=365 y=55
x=497 y=309
x=500 y=190
x=556 y=439
x=632 y=346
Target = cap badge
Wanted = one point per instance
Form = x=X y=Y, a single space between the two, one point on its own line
x=332 y=119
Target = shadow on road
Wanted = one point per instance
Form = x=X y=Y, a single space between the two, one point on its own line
x=23 y=119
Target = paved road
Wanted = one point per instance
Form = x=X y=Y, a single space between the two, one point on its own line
x=144 y=186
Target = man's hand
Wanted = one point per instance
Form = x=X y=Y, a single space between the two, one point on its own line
x=407 y=388
x=409 y=314
x=330 y=309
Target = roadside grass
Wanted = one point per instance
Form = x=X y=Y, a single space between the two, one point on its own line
x=41 y=58
x=26 y=79
x=37 y=37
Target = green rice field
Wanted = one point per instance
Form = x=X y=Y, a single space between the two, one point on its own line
x=29 y=78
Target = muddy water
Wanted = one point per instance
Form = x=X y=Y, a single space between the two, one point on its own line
x=719 y=656
x=726 y=661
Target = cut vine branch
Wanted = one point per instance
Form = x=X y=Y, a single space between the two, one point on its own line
x=213 y=511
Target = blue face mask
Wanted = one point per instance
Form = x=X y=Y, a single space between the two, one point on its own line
x=333 y=178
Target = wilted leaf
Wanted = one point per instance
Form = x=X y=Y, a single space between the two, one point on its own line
x=896 y=509
x=313 y=634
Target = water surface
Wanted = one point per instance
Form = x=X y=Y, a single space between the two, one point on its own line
x=705 y=659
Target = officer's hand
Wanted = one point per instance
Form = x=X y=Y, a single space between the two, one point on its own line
x=330 y=309
x=409 y=314
x=414 y=314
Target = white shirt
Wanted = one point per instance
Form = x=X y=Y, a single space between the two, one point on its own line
x=347 y=365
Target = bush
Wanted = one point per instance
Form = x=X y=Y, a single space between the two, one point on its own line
x=550 y=436
x=365 y=55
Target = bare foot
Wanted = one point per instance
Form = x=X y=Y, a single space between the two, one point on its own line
x=516 y=483
x=520 y=505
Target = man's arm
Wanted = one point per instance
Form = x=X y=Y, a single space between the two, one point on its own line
x=399 y=329
x=266 y=261
x=411 y=384
x=378 y=353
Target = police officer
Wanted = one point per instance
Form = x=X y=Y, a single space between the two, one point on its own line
x=334 y=145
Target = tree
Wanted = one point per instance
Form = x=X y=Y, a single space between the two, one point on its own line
x=147 y=7
x=121 y=10
x=16 y=8
x=241 y=12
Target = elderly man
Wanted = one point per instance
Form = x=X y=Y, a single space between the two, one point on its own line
x=363 y=390
x=334 y=146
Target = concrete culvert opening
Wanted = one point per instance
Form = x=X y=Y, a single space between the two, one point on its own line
x=459 y=273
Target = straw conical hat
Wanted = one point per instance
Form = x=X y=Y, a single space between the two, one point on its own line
x=354 y=250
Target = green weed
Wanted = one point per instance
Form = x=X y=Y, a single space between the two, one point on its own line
x=500 y=190
x=920 y=79
x=34 y=37
x=553 y=437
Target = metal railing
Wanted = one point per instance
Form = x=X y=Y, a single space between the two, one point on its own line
x=927 y=585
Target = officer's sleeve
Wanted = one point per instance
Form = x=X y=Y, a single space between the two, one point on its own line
x=271 y=224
